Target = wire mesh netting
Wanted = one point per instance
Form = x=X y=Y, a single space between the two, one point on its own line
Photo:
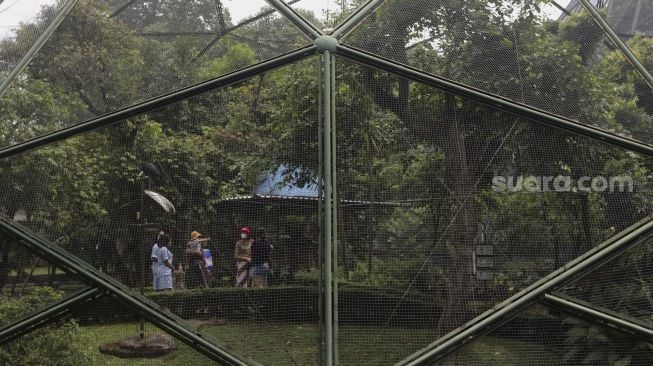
x=515 y=50
x=194 y=177
x=29 y=283
x=620 y=286
x=57 y=343
x=17 y=40
x=449 y=207
x=542 y=336
x=324 y=14
x=102 y=332
x=102 y=59
x=446 y=206
x=628 y=18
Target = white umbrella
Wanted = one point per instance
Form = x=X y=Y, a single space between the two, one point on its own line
x=161 y=200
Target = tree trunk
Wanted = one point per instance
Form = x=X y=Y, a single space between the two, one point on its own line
x=463 y=228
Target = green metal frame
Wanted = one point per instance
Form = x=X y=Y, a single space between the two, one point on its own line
x=327 y=47
x=36 y=47
x=625 y=50
x=511 y=307
x=588 y=312
x=329 y=244
x=49 y=314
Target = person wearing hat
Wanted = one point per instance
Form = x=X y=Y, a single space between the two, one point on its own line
x=243 y=257
x=194 y=277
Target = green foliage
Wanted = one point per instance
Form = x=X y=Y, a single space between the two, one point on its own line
x=595 y=345
x=396 y=273
x=59 y=344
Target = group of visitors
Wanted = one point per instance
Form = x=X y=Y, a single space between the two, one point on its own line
x=252 y=257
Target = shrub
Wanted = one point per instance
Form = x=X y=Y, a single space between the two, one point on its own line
x=58 y=344
x=356 y=305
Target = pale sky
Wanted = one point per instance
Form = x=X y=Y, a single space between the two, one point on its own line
x=12 y=12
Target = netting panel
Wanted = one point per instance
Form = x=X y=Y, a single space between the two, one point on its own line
x=16 y=40
x=30 y=284
x=541 y=336
x=324 y=14
x=621 y=286
x=516 y=50
x=628 y=18
x=111 y=334
x=449 y=207
x=97 y=63
x=192 y=175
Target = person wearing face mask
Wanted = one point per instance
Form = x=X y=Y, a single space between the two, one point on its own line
x=243 y=257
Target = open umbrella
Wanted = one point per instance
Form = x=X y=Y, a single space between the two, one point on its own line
x=161 y=200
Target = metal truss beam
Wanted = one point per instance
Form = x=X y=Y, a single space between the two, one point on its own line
x=159 y=102
x=36 y=47
x=51 y=313
x=511 y=307
x=304 y=25
x=587 y=312
x=625 y=50
x=141 y=305
x=501 y=103
x=356 y=18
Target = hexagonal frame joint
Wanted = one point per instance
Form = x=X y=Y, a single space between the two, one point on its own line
x=326 y=43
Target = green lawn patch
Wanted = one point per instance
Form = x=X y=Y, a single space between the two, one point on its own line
x=296 y=344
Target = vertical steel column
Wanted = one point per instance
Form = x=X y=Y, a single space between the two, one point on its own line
x=326 y=46
x=334 y=209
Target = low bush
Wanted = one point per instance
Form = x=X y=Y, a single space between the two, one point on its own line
x=356 y=305
x=58 y=344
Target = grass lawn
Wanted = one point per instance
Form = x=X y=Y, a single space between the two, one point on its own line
x=296 y=344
